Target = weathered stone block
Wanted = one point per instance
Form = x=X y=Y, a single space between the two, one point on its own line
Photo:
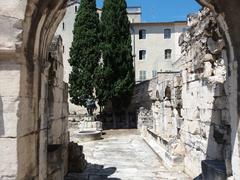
x=211 y=116
x=56 y=95
x=208 y=70
x=8 y=121
x=27 y=112
x=9 y=35
x=27 y=158
x=220 y=74
x=212 y=46
x=177 y=81
x=193 y=126
x=10 y=77
x=55 y=131
x=189 y=101
x=206 y=103
x=56 y=111
x=8 y=156
x=13 y=8
x=221 y=102
x=77 y=162
x=193 y=19
x=219 y=90
x=214 y=169
x=208 y=58
x=193 y=156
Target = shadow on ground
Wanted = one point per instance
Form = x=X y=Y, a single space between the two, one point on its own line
x=94 y=172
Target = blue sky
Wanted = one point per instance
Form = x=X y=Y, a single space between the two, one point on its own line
x=163 y=10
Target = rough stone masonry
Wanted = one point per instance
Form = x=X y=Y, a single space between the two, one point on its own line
x=194 y=115
x=33 y=97
x=27 y=29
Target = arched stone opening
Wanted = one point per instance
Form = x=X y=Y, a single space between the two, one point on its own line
x=39 y=25
x=33 y=26
x=167 y=93
x=24 y=50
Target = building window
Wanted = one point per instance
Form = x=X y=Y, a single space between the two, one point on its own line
x=142 y=54
x=167 y=33
x=168 y=53
x=142 y=75
x=63 y=26
x=63 y=49
x=154 y=73
x=142 y=34
x=76 y=9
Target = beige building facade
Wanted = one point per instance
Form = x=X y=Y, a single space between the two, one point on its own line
x=155 y=47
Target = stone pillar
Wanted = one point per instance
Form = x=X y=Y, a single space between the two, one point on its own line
x=168 y=126
x=27 y=28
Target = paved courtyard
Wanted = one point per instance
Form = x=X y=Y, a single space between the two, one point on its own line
x=123 y=154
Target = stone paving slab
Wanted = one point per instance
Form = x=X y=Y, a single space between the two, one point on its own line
x=123 y=155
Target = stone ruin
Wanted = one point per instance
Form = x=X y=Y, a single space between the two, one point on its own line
x=33 y=96
x=194 y=112
x=30 y=131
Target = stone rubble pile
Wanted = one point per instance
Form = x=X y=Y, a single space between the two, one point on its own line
x=77 y=161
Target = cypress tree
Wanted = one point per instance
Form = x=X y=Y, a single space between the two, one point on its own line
x=118 y=71
x=84 y=53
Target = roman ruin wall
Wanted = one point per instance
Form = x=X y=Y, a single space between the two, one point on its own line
x=206 y=127
x=194 y=117
x=27 y=29
x=208 y=78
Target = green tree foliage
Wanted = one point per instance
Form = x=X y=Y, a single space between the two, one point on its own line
x=117 y=71
x=84 y=53
x=101 y=85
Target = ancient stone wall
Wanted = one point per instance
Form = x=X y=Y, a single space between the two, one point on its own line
x=153 y=98
x=145 y=119
x=195 y=116
x=163 y=126
x=10 y=69
x=27 y=29
x=206 y=127
x=143 y=94
x=227 y=16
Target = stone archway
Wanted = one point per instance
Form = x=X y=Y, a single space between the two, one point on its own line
x=27 y=31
